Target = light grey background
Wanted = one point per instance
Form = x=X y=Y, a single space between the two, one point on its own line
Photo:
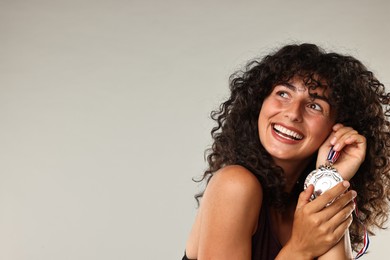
x=104 y=111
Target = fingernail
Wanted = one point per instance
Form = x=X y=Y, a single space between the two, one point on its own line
x=346 y=184
x=333 y=141
x=354 y=194
x=336 y=147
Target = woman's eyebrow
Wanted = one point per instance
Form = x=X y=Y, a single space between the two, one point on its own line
x=313 y=95
x=289 y=85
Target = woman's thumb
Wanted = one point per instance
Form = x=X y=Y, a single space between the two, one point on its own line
x=304 y=197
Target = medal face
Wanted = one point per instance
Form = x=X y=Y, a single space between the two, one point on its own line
x=322 y=179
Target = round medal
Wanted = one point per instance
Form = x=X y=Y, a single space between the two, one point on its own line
x=322 y=179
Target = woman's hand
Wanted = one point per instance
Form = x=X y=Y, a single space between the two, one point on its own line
x=352 y=148
x=318 y=227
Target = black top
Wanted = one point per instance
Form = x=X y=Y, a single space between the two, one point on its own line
x=185 y=257
x=265 y=244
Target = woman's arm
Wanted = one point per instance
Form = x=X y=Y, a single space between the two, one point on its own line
x=352 y=147
x=227 y=217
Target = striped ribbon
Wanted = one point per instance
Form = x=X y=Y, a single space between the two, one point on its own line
x=366 y=239
x=333 y=155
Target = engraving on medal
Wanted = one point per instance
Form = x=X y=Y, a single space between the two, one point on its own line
x=323 y=179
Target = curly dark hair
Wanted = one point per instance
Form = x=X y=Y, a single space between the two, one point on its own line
x=360 y=100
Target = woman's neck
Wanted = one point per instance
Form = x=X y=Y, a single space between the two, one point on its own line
x=292 y=171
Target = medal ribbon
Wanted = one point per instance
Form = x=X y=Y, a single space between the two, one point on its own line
x=332 y=158
x=366 y=239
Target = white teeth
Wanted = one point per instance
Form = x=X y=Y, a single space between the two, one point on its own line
x=288 y=132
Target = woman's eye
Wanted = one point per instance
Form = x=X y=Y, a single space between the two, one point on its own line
x=282 y=94
x=315 y=107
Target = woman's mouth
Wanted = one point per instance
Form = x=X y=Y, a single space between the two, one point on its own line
x=286 y=133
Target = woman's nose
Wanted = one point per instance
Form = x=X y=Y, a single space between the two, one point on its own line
x=294 y=112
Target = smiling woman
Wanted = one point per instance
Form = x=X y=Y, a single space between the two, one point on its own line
x=285 y=113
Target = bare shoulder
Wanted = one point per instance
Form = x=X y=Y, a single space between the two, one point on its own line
x=236 y=179
x=236 y=186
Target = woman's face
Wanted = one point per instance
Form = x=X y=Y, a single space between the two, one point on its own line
x=293 y=123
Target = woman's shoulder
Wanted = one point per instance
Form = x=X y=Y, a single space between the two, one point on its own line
x=238 y=174
x=236 y=181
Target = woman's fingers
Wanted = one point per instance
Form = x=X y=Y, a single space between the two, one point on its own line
x=340 y=222
x=329 y=196
x=340 y=229
x=341 y=208
x=344 y=136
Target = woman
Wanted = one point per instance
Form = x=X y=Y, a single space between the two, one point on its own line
x=284 y=114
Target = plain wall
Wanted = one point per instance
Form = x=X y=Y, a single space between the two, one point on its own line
x=104 y=111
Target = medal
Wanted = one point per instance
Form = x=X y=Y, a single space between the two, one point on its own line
x=325 y=177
